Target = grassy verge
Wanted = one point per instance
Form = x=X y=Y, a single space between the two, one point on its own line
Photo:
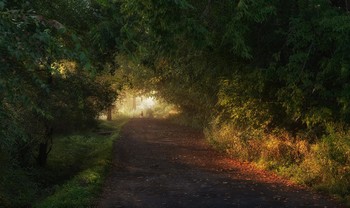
x=323 y=164
x=76 y=169
x=84 y=159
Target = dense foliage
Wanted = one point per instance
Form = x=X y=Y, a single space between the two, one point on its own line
x=256 y=74
x=267 y=63
x=267 y=79
x=49 y=85
x=46 y=82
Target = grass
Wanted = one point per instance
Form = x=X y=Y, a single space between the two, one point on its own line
x=84 y=159
x=323 y=164
x=73 y=177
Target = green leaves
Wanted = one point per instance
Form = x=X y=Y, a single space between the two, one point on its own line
x=314 y=70
x=2 y=4
x=283 y=63
x=45 y=79
x=183 y=4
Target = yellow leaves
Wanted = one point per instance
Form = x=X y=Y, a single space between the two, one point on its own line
x=65 y=66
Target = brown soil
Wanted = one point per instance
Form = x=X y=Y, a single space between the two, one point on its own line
x=158 y=164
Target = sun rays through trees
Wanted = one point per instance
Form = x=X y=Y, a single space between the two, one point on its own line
x=268 y=81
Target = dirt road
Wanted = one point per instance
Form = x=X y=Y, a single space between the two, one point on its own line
x=158 y=164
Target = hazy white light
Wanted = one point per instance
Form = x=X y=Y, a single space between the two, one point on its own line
x=147 y=103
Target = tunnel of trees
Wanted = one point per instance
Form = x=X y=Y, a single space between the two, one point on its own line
x=251 y=69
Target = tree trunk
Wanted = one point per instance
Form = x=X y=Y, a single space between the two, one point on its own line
x=109 y=114
x=42 y=156
x=45 y=147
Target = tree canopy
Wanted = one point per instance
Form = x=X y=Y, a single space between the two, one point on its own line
x=267 y=65
x=262 y=64
x=274 y=63
x=46 y=82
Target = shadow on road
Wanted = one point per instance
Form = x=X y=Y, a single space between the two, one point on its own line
x=158 y=164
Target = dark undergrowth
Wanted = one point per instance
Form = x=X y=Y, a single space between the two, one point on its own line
x=74 y=174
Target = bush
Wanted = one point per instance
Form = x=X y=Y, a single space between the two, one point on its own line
x=237 y=142
x=327 y=165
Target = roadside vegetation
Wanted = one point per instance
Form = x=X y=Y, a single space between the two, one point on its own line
x=322 y=164
x=268 y=81
x=52 y=91
x=74 y=174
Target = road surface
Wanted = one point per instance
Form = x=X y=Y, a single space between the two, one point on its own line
x=158 y=164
